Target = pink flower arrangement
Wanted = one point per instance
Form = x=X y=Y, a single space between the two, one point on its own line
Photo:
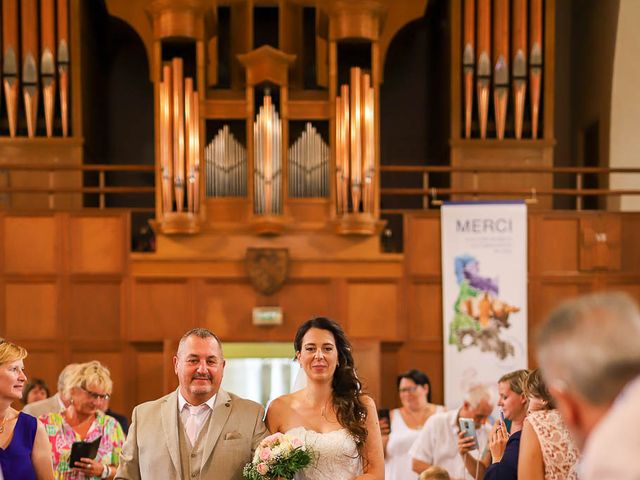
x=278 y=456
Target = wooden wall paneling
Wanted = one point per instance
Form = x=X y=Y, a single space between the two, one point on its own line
x=422 y=244
x=31 y=244
x=389 y=371
x=556 y=245
x=629 y=286
x=160 y=309
x=98 y=243
x=629 y=241
x=44 y=363
x=226 y=308
x=169 y=379
x=366 y=356
x=600 y=247
x=148 y=362
x=114 y=361
x=425 y=310
x=373 y=309
x=31 y=310
x=425 y=356
x=95 y=309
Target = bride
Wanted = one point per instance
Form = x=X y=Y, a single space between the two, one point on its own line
x=330 y=414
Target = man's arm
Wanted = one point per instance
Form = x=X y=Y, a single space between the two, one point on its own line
x=259 y=431
x=129 y=468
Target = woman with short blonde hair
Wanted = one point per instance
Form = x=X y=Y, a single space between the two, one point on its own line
x=24 y=450
x=87 y=387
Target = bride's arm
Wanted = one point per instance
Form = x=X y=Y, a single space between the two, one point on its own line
x=273 y=417
x=373 y=451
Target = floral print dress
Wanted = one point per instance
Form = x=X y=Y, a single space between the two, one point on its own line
x=62 y=435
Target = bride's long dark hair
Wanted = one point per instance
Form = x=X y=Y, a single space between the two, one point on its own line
x=349 y=408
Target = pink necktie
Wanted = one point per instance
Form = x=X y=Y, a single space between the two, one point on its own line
x=191 y=425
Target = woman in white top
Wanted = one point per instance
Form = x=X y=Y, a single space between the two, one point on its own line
x=330 y=414
x=414 y=389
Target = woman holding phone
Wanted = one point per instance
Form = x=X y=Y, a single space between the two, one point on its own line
x=401 y=428
x=82 y=421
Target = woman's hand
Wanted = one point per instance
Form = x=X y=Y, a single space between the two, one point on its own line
x=465 y=444
x=498 y=441
x=90 y=467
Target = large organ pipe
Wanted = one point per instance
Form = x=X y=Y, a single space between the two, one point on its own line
x=29 y=24
x=194 y=173
x=178 y=133
x=535 y=62
x=501 y=64
x=355 y=124
x=356 y=138
x=188 y=133
x=47 y=61
x=63 y=62
x=483 y=65
x=519 y=68
x=10 y=61
x=468 y=63
x=268 y=159
x=166 y=139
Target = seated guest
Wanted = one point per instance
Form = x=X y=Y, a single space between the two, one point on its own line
x=35 y=390
x=25 y=453
x=547 y=451
x=57 y=403
x=434 y=473
x=87 y=387
x=589 y=356
x=505 y=446
x=414 y=389
x=437 y=442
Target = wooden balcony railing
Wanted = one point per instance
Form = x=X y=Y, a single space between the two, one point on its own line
x=434 y=195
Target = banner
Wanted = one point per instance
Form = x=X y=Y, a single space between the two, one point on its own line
x=484 y=294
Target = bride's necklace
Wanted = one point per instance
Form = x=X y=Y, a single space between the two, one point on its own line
x=4 y=420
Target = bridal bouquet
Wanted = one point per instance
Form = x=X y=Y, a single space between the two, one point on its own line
x=278 y=456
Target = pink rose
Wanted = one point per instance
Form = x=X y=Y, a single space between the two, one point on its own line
x=265 y=453
x=262 y=468
x=271 y=439
x=296 y=442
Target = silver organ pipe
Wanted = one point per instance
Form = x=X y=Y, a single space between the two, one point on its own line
x=309 y=165
x=267 y=131
x=226 y=166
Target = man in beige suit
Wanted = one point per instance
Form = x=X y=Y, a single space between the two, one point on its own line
x=197 y=432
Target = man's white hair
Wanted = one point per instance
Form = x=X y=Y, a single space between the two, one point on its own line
x=476 y=394
x=591 y=345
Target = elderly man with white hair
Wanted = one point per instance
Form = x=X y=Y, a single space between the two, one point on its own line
x=56 y=403
x=437 y=443
x=589 y=353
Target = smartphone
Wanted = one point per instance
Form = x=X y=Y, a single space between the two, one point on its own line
x=384 y=413
x=468 y=427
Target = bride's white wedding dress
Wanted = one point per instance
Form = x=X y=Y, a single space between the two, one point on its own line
x=336 y=455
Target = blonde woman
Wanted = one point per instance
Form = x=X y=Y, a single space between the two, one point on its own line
x=24 y=450
x=87 y=387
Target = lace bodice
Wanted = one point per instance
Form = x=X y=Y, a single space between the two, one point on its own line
x=336 y=455
x=559 y=453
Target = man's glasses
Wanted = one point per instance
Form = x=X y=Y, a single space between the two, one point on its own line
x=96 y=396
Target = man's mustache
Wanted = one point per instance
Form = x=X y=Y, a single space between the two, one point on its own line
x=202 y=377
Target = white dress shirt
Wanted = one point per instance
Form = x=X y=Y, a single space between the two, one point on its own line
x=201 y=417
x=437 y=444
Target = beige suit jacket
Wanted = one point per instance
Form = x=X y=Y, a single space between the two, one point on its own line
x=152 y=451
x=43 y=407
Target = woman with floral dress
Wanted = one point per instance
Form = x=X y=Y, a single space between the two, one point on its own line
x=88 y=386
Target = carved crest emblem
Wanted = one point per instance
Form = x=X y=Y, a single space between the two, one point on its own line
x=267 y=268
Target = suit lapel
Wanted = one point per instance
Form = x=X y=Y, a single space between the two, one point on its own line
x=169 y=415
x=221 y=412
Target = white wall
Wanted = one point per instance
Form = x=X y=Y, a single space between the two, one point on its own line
x=624 y=137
